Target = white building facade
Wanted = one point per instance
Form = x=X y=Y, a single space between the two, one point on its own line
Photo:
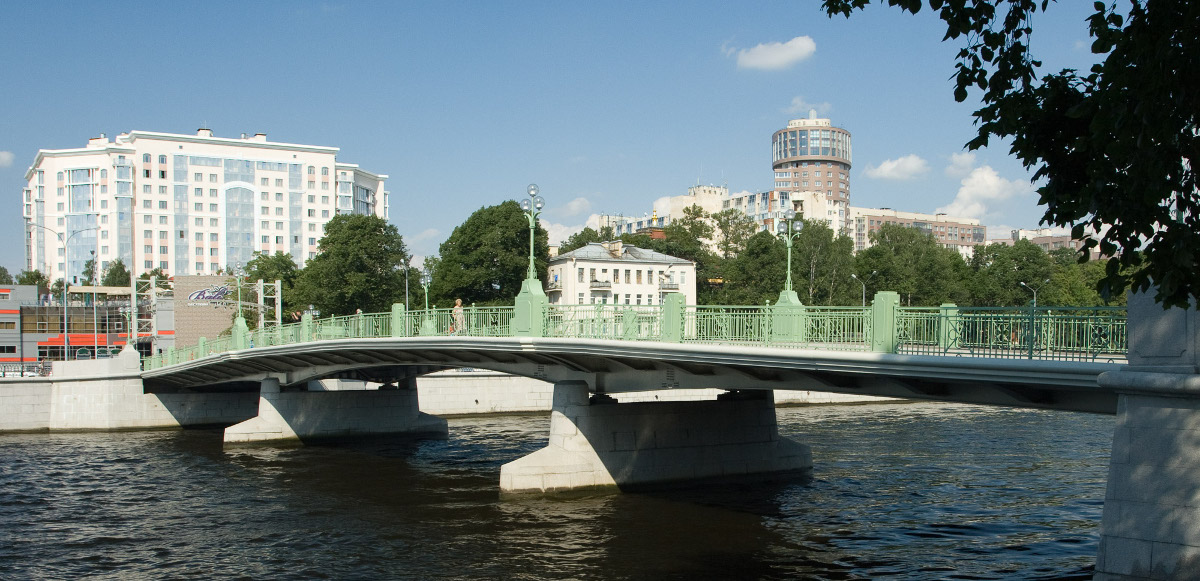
x=616 y=273
x=188 y=204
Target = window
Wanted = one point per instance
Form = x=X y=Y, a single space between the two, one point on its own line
x=311 y=198
x=199 y=221
x=162 y=174
x=214 y=266
x=162 y=189
x=199 y=251
x=312 y=241
x=199 y=237
x=311 y=170
x=279 y=225
x=278 y=196
x=324 y=172
x=162 y=204
x=279 y=211
x=627 y=282
x=199 y=266
x=264 y=196
x=104 y=234
x=147 y=219
x=61 y=207
x=324 y=185
x=199 y=192
x=265 y=211
x=266 y=225
x=213 y=252
x=580 y=275
x=627 y=296
x=212 y=193
x=639 y=281
x=279 y=239
x=212 y=207
x=324 y=199
x=312 y=185
x=198 y=177
x=265 y=239
x=199 y=207
x=312 y=213
x=162 y=249
x=146 y=189
x=162 y=219
x=214 y=237
x=639 y=300
x=264 y=182
x=214 y=222
x=145 y=158
x=212 y=177
x=162 y=159
x=162 y=264
x=279 y=182
x=149 y=264
x=148 y=249
x=145 y=204
x=324 y=213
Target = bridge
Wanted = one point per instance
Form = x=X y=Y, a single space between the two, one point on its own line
x=1142 y=366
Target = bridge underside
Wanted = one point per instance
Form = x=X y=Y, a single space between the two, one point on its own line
x=614 y=367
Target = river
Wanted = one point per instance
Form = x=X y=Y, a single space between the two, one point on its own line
x=899 y=491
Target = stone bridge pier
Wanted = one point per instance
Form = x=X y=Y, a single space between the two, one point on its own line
x=307 y=415
x=1151 y=523
x=596 y=442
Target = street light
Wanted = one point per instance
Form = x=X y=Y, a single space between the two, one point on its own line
x=1035 y=290
x=95 y=320
x=532 y=206
x=793 y=232
x=864 y=285
x=66 y=243
x=427 y=327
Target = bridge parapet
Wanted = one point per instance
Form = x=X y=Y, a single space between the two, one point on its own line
x=1052 y=333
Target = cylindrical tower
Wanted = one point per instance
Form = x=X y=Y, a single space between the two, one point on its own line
x=811 y=159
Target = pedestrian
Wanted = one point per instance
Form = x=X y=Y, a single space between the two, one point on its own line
x=459 y=321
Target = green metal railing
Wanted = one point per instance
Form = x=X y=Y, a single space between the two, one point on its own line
x=1052 y=333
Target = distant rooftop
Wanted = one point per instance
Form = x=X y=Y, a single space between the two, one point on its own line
x=617 y=251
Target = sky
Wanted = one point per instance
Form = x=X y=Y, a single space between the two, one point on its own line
x=607 y=107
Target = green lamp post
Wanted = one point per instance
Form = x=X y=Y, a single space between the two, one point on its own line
x=427 y=326
x=792 y=231
x=529 y=310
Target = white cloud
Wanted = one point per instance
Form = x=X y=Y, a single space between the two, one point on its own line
x=982 y=188
x=6 y=158
x=424 y=235
x=774 y=56
x=960 y=164
x=904 y=168
x=558 y=233
x=801 y=107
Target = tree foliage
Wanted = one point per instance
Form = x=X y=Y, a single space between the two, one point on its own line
x=486 y=257
x=272 y=267
x=116 y=274
x=359 y=266
x=5 y=277
x=1116 y=146
x=579 y=240
x=911 y=262
x=733 y=229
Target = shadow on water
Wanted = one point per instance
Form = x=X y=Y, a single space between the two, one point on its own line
x=920 y=491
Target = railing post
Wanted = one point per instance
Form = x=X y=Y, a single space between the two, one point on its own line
x=529 y=311
x=306 y=327
x=1031 y=336
x=948 y=322
x=885 y=336
x=397 y=321
x=672 y=317
x=241 y=333
x=170 y=356
x=202 y=347
x=788 y=322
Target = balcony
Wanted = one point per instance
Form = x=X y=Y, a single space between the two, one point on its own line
x=668 y=286
x=600 y=285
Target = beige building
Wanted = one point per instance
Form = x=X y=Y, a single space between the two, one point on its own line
x=188 y=204
x=616 y=273
x=1044 y=238
x=961 y=234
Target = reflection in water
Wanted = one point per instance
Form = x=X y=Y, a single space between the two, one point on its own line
x=906 y=491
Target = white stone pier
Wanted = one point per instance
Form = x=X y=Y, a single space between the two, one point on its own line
x=1151 y=523
x=608 y=444
x=300 y=415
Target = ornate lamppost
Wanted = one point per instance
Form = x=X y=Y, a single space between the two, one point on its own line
x=529 y=310
x=427 y=327
x=788 y=296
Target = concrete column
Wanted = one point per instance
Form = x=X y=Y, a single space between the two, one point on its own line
x=605 y=444
x=787 y=319
x=1151 y=523
x=949 y=335
x=529 y=310
x=399 y=328
x=297 y=416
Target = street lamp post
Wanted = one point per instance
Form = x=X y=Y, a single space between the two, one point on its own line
x=794 y=227
x=1035 y=290
x=95 y=319
x=864 y=285
x=67 y=264
x=427 y=327
x=533 y=208
x=529 y=310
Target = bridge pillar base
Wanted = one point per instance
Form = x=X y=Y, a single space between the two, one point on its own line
x=296 y=416
x=629 y=445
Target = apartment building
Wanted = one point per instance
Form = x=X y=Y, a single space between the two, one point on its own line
x=187 y=204
x=961 y=234
x=618 y=274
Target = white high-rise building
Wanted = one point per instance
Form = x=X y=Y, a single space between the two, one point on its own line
x=188 y=204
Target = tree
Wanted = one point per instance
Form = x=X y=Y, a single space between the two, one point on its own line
x=1115 y=146
x=359 y=266
x=89 y=274
x=272 y=267
x=161 y=279
x=822 y=265
x=5 y=277
x=34 y=278
x=912 y=263
x=486 y=257
x=733 y=228
x=999 y=269
x=756 y=275
x=116 y=274
x=579 y=240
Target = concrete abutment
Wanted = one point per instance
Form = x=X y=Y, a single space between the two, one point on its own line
x=595 y=443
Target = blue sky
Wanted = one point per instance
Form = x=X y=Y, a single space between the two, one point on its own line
x=607 y=107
